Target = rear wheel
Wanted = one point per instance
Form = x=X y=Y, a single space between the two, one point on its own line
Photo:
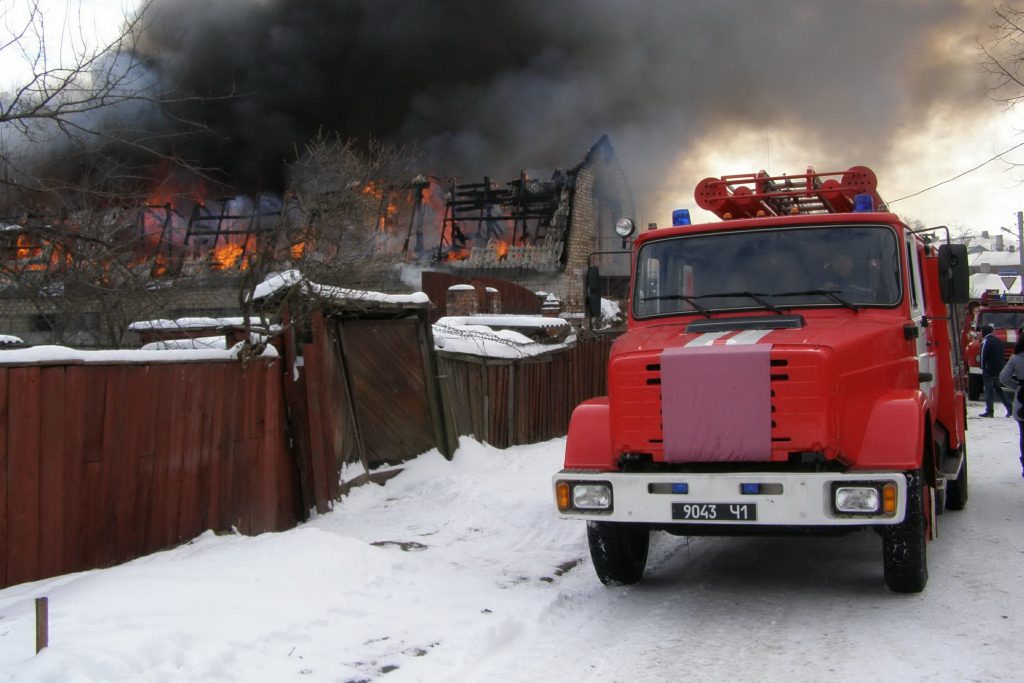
x=974 y=387
x=956 y=489
x=904 y=545
x=618 y=550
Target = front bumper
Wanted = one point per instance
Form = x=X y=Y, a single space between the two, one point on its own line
x=794 y=499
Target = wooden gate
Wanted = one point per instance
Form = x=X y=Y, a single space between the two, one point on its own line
x=387 y=376
x=367 y=388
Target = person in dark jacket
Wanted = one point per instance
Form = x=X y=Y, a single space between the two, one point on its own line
x=993 y=358
x=1012 y=376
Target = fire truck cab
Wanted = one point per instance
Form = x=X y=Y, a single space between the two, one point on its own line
x=1005 y=313
x=794 y=368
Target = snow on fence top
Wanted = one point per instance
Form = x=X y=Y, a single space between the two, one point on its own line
x=290 y=278
x=192 y=324
x=6 y=339
x=57 y=355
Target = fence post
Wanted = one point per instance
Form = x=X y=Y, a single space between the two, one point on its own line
x=42 y=624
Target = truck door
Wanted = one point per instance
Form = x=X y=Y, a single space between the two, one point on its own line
x=925 y=352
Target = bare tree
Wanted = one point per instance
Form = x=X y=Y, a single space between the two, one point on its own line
x=80 y=102
x=1004 y=55
x=335 y=229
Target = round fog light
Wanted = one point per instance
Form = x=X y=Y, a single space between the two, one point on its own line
x=624 y=227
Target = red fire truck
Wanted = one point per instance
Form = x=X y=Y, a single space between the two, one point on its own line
x=1005 y=313
x=795 y=368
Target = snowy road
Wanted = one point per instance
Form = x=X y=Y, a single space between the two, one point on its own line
x=461 y=572
x=806 y=609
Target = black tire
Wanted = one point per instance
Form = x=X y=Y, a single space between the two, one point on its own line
x=974 y=387
x=904 y=545
x=956 y=489
x=618 y=551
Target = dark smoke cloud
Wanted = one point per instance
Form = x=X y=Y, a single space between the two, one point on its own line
x=492 y=87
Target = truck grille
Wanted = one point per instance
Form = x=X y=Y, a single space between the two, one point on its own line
x=799 y=396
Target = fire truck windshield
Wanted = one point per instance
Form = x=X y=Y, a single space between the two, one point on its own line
x=1002 y=320
x=851 y=266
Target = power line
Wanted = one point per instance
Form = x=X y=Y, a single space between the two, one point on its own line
x=959 y=175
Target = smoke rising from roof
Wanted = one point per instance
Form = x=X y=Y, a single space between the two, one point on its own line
x=489 y=88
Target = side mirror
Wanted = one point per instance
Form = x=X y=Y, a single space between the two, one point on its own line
x=954 y=274
x=592 y=285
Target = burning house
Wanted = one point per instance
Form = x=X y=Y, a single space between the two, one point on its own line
x=529 y=240
x=82 y=279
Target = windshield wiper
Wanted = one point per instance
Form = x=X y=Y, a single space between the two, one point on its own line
x=756 y=296
x=830 y=293
x=680 y=297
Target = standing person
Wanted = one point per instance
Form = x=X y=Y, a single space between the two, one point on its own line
x=1012 y=375
x=993 y=358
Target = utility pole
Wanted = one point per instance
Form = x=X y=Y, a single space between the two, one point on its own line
x=1020 y=244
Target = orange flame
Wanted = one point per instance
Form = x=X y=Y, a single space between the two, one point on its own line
x=226 y=256
x=458 y=255
x=160 y=266
x=501 y=248
x=297 y=250
x=27 y=249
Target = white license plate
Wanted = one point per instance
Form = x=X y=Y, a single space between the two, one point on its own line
x=715 y=512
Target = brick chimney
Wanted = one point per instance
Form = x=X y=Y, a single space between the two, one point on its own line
x=462 y=300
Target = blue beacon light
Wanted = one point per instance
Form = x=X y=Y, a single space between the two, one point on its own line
x=863 y=203
x=680 y=217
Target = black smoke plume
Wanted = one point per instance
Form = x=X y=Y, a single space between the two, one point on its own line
x=492 y=87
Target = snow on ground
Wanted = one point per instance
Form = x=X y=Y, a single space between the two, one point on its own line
x=460 y=571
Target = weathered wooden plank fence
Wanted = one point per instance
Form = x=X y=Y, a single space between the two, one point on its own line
x=103 y=463
x=512 y=402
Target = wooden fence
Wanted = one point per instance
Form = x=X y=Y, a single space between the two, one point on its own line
x=512 y=402
x=103 y=463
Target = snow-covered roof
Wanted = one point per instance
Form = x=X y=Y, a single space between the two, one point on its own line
x=476 y=336
x=291 y=278
x=506 y=320
x=983 y=282
x=996 y=258
x=56 y=355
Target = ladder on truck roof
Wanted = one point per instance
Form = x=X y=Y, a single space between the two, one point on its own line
x=752 y=195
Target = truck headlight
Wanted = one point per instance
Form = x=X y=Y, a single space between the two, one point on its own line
x=583 y=495
x=592 y=496
x=858 y=499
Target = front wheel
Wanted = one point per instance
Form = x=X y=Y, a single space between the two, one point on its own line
x=618 y=551
x=904 y=545
x=956 y=489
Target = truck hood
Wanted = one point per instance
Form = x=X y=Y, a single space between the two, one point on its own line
x=845 y=329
